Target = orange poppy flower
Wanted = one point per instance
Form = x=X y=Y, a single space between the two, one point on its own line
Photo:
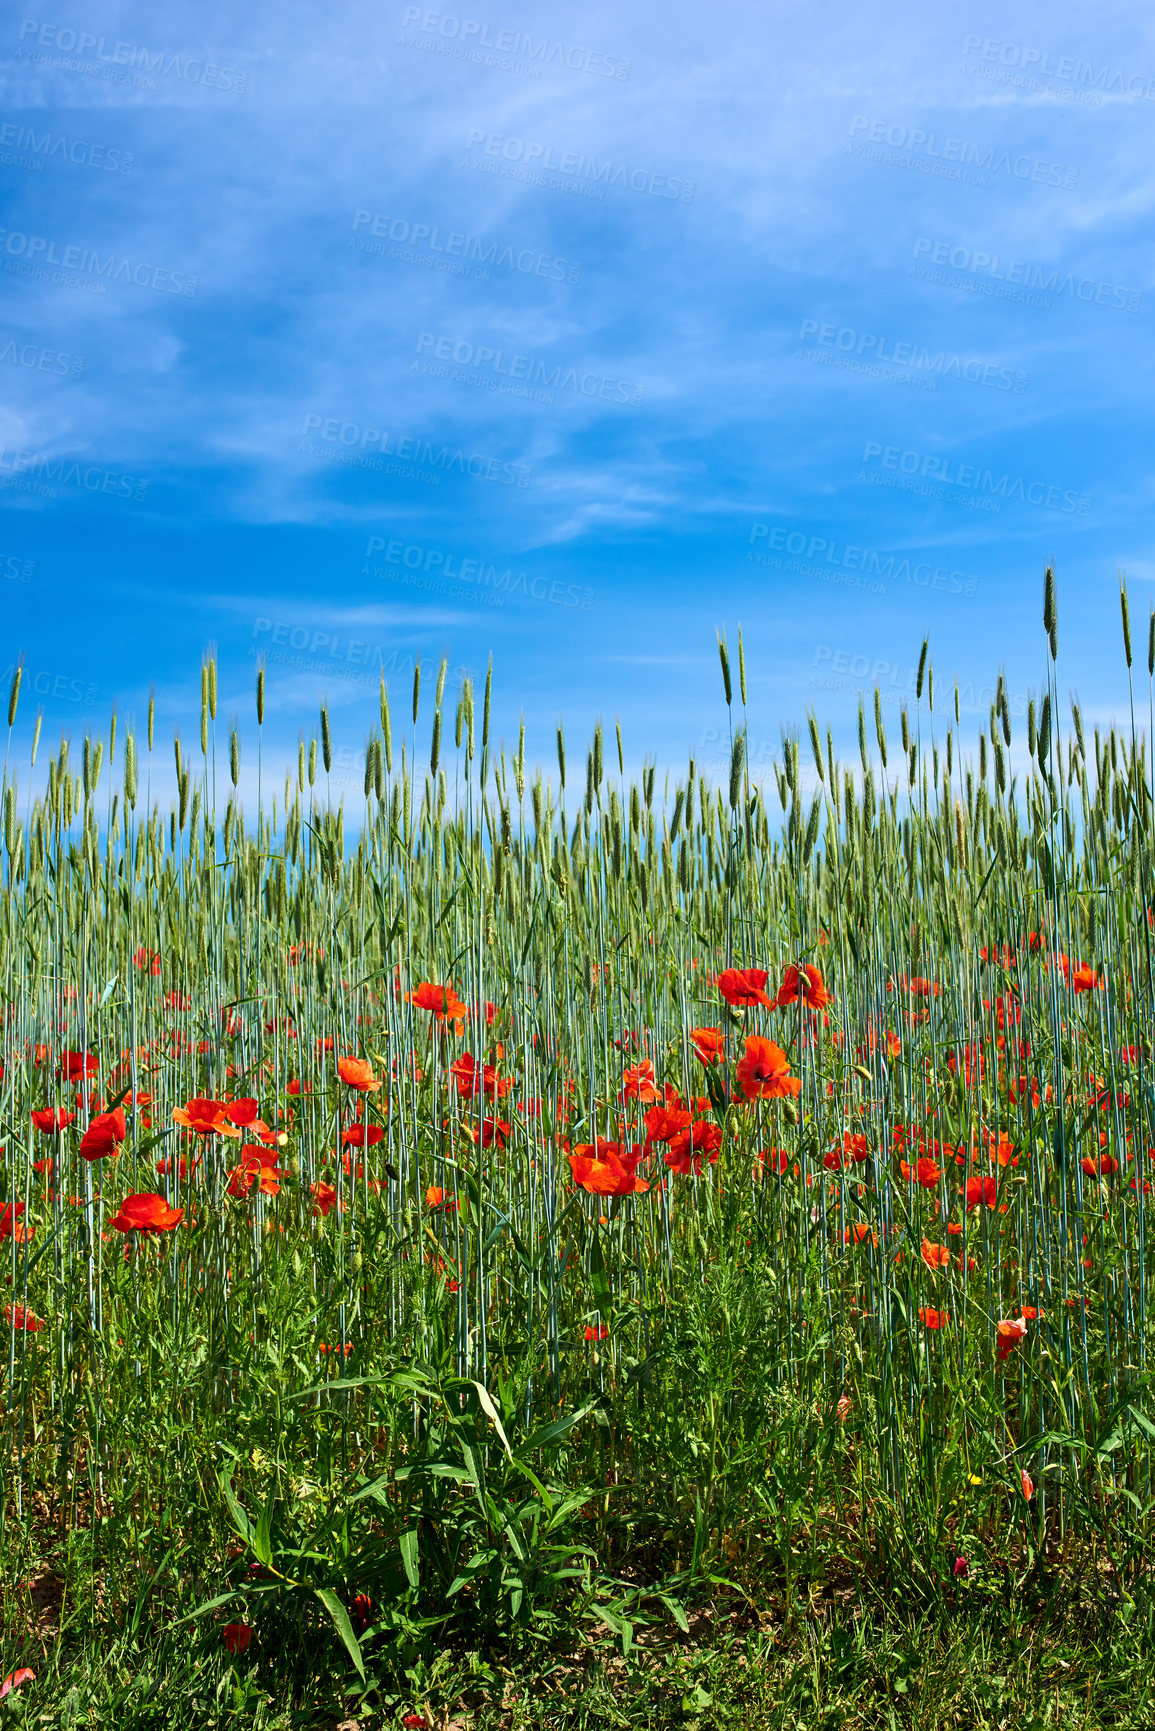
x=441 y=1002
x=805 y=983
x=743 y=988
x=604 y=1168
x=257 y=1166
x=10 y=1226
x=1028 y=1486
x=709 y=1044
x=324 y=1198
x=473 y=1079
x=146 y=1212
x=935 y=1255
x=926 y=1172
x=764 y=1072
x=358 y=1073
x=1010 y=1332
x=435 y=1197
x=1094 y=1164
x=640 y=1084
x=205 y=1118
x=934 y=1318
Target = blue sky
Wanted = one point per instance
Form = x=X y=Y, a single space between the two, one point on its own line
x=570 y=336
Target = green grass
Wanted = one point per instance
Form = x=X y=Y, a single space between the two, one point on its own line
x=693 y=1452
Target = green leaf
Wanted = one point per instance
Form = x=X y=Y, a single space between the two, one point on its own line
x=486 y=1400
x=677 y=1612
x=407 y=1544
x=599 y=1283
x=549 y=1433
x=343 y=1626
x=240 y=1519
x=209 y=1605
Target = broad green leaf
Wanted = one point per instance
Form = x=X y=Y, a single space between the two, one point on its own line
x=407 y=1544
x=486 y=1400
x=343 y=1626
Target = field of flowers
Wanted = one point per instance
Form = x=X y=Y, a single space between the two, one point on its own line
x=561 y=1206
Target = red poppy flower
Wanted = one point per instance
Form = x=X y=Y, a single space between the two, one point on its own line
x=20 y=1319
x=1010 y=1332
x=257 y=1166
x=971 y=1061
x=435 y=1197
x=494 y=1132
x=926 y=1172
x=324 y=1198
x=709 y=1044
x=640 y=1084
x=242 y=1112
x=10 y=1226
x=935 y=1255
x=743 y=988
x=170 y=1166
x=236 y=1637
x=860 y=1234
x=686 y=1150
x=146 y=1212
x=358 y=1073
x=73 y=1066
x=103 y=1136
x=600 y=1333
x=149 y=959
x=205 y=1117
x=961 y=1566
x=981 y=1192
x=776 y=1159
x=473 y=1079
x=14 y=1679
x=934 y=1318
x=1085 y=979
x=915 y=987
x=764 y=1072
x=604 y=1168
x=1028 y=1486
x=1094 y=1164
x=442 y=1003
x=805 y=983
x=361 y=1135
x=664 y=1122
x=51 y=1121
